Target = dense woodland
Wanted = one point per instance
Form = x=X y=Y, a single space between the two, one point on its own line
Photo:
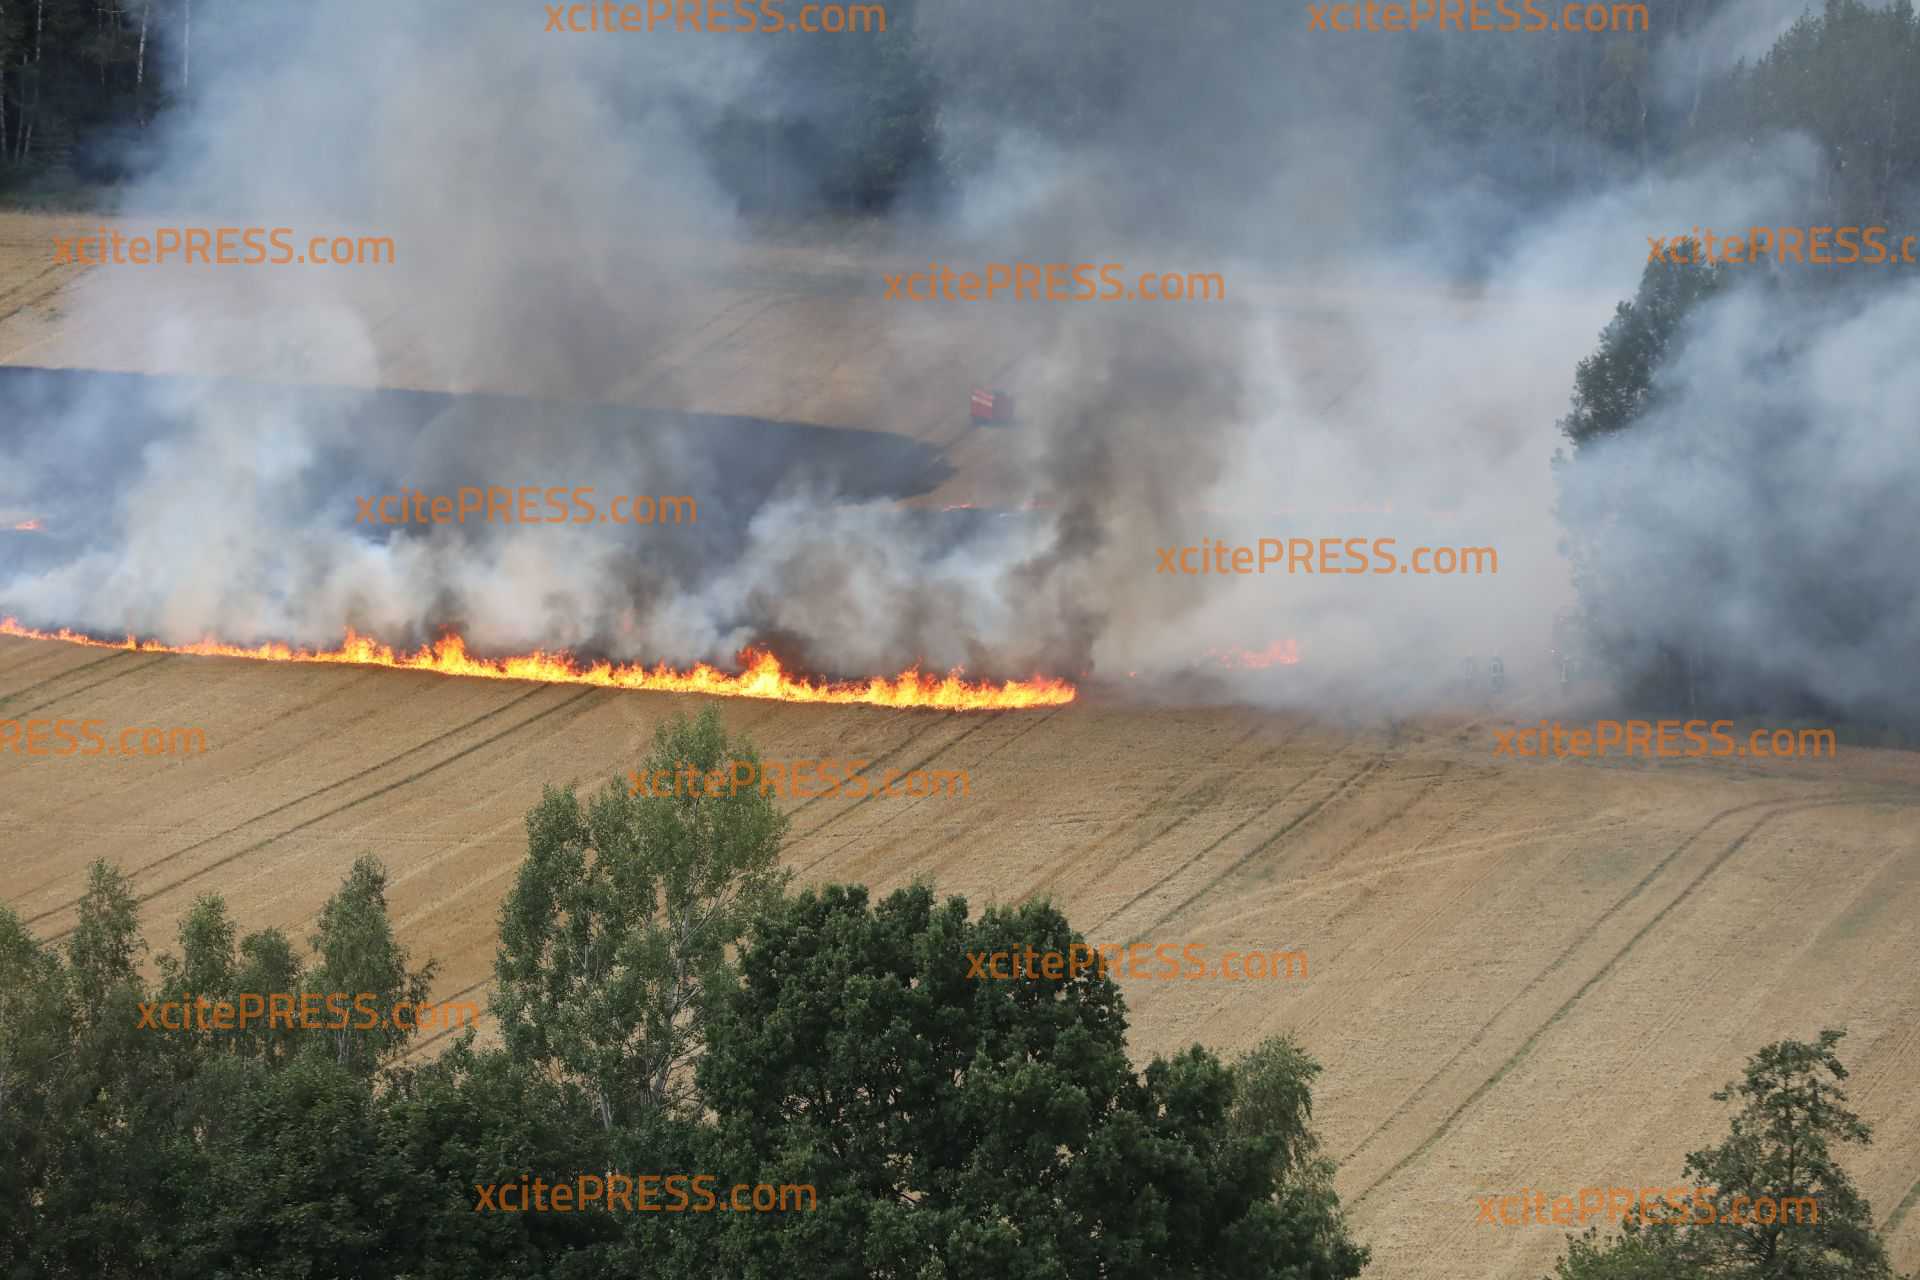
x=868 y=121
x=1799 y=516
x=665 y=1006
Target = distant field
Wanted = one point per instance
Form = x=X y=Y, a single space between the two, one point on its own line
x=795 y=332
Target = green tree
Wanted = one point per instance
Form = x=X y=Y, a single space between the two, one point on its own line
x=36 y=1065
x=619 y=924
x=1603 y=509
x=1614 y=387
x=359 y=956
x=205 y=967
x=954 y=1125
x=1845 y=78
x=1780 y=1151
x=469 y=1119
x=267 y=964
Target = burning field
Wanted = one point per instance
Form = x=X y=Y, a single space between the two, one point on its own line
x=1486 y=939
x=1205 y=614
x=760 y=675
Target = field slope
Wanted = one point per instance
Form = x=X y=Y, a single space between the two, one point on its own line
x=1520 y=974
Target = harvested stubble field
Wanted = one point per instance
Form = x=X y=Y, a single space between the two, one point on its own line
x=1522 y=973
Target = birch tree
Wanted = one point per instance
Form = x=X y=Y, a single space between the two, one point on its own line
x=620 y=926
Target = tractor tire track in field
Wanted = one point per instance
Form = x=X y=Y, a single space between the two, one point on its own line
x=259 y=763
x=1779 y=808
x=1433 y=781
x=885 y=759
x=900 y=813
x=1193 y=802
x=1355 y=780
x=1645 y=1036
x=122 y=674
x=937 y=837
x=1900 y=1211
x=31 y=298
x=49 y=655
x=1579 y=940
x=372 y=795
x=857 y=869
x=874 y=793
x=333 y=786
x=1196 y=857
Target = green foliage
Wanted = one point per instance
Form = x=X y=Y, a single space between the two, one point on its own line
x=359 y=956
x=961 y=1126
x=1614 y=387
x=36 y=1066
x=1780 y=1149
x=1846 y=78
x=621 y=919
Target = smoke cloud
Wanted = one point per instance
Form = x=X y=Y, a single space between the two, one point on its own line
x=1384 y=366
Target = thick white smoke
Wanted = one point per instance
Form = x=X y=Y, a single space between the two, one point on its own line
x=561 y=234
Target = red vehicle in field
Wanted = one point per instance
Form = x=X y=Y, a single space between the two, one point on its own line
x=992 y=406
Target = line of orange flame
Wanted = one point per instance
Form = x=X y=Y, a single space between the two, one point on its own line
x=762 y=678
x=1285 y=653
x=29 y=526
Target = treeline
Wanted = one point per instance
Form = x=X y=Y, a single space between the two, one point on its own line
x=81 y=79
x=864 y=121
x=669 y=1015
x=1738 y=495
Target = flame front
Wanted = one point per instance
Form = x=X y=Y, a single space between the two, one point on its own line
x=1283 y=653
x=762 y=677
x=29 y=526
